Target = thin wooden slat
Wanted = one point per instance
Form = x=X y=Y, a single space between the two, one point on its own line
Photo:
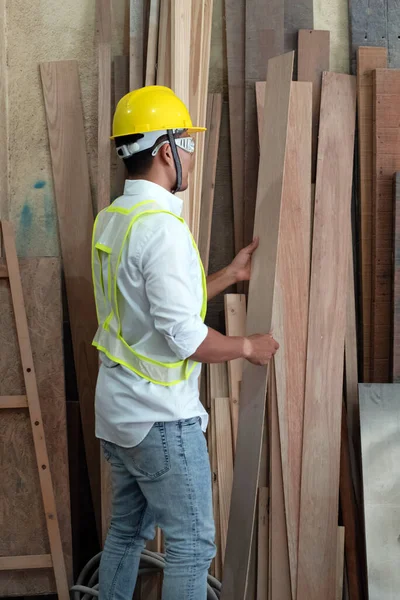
x=23 y=526
x=368 y=59
x=164 y=45
x=13 y=563
x=280 y=564
x=152 y=42
x=104 y=103
x=396 y=279
x=4 y=123
x=223 y=434
x=13 y=402
x=340 y=562
x=263 y=40
x=263 y=544
x=180 y=70
x=380 y=440
x=235 y=325
x=136 y=44
x=350 y=515
x=217 y=562
x=235 y=43
x=313 y=60
x=386 y=115
x=298 y=16
x=121 y=87
x=259 y=319
x=35 y=414
x=213 y=123
x=61 y=91
x=326 y=334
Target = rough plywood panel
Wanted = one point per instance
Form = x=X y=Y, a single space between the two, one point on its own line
x=396 y=280
x=368 y=59
x=380 y=441
x=23 y=528
x=386 y=161
x=326 y=334
x=259 y=320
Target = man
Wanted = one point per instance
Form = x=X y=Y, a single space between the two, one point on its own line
x=151 y=296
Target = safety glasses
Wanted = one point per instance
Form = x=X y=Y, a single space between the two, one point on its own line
x=186 y=143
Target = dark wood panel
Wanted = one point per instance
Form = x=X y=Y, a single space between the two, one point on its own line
x=396 y=279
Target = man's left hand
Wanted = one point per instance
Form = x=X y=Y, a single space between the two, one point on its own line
x=240 y=267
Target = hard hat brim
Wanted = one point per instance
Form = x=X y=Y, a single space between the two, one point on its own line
x=189 y=130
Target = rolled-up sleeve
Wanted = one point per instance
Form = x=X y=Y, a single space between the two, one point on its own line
x=171 y=285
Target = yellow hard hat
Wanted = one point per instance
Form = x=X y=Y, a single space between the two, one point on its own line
x=151 y=108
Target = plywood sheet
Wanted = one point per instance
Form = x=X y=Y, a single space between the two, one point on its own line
x=61 y=91
x=313 y=60
x=23 y=526
x=326 y=335
x=263 y=40
x=380 y=440
x=259 y=320
x=396 y=279
x=386 y=116
x=368 y=59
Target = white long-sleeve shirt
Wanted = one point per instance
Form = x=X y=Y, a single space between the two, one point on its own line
x=159 y=282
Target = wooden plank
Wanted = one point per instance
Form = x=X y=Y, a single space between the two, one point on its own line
x=396 y=279
x=298 y=16
x=152 y=42
x=350 y=514
x=4 y=123
x=235 y=43
x=280 y=563
x=104 y=103
x=23 y=529
x=61 y=91
x=263 y=544
x=217 y=562
x=3 y=272
x=368 y=59
x=380 y=440
x=213 y=123
x=340 y=562
x=180 y=70
x=13 y=402
x=121 y=87
x=326 y=334
x=235 y=325
x=13 y=563
x=136 y=44
x=164 y=45
x=386 y=98
x=313 y=60
x=259 y=319
x=223 y=434
x=263 y=40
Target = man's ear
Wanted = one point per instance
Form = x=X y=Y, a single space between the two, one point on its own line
x=165 y=154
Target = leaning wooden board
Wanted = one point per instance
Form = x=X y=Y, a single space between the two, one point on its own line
x=61 y=91
x=368 y=59
x=386 y=96
x=23 y=528
x=380 y=441
x=326 y=334
x=259 y=319
x=396 y=279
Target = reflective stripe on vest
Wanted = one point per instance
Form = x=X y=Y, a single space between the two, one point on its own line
x=110 y=234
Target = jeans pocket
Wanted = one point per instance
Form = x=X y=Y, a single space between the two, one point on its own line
x=106 y=450
x=151 y=457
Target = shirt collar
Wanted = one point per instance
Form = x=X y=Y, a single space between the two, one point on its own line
x=154 y=191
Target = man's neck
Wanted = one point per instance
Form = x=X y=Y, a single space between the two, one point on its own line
x=159 y=180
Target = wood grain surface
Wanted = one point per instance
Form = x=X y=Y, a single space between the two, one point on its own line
x=223 y=433
x=164 y=45
x=259 y=320
x=263 y=544
x=380 y=440
x=23 y=525
x=121 y=87
x=313 y=60
x=61 y=91
x=136 y=44
x=386 y=118
x=152 y=42
x=326 y=335
x=368 y=59
x=396 y=279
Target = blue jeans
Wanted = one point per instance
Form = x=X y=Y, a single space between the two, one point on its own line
x=164 y=481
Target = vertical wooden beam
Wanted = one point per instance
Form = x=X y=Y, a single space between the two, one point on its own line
x=121 y=87
x=396 y=279
x=263 y=544
x=368 y=59
x=136 y=44
x=152 y=42
x=104 y=103
x=259 y=319
x=164 y=45
x=4 y=154
x=223 y=434
x=326 y=335
x=340 y=562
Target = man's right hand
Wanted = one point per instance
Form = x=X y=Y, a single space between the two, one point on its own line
x=260 y=348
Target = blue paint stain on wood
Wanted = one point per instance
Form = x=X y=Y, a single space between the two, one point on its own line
x=39 y=184
x=26 y=217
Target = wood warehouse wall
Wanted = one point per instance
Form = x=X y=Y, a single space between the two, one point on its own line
x=46 y=30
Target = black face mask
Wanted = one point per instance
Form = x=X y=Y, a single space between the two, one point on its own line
x=177 y=161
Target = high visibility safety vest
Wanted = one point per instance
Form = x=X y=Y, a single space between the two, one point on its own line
x=110 y=234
